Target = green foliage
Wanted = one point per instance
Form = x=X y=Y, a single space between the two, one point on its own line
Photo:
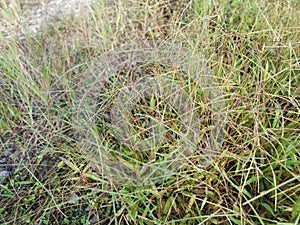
x=251 y=47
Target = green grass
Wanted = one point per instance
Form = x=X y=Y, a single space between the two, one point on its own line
x=252 y=49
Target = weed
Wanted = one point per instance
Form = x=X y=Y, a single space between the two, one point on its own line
x=251 y=51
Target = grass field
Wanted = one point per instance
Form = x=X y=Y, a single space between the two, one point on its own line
x=251 y=49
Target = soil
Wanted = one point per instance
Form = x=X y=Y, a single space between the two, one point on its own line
x=28 y=16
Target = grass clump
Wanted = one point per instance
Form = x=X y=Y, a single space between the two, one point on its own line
x=252 y=51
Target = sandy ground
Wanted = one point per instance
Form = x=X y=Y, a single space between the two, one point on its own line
x=28 y=16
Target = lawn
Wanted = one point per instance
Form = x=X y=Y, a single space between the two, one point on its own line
x=151 y=112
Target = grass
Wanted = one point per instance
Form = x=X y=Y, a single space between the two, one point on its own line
x=48 y=175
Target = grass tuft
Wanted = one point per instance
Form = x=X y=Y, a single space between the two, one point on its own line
x=47 y=172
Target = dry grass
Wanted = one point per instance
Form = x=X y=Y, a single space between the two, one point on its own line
x=252 y=48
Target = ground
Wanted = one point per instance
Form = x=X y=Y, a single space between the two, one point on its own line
x=57 y=117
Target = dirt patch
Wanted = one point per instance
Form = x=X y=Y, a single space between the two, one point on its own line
x=27 y=16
